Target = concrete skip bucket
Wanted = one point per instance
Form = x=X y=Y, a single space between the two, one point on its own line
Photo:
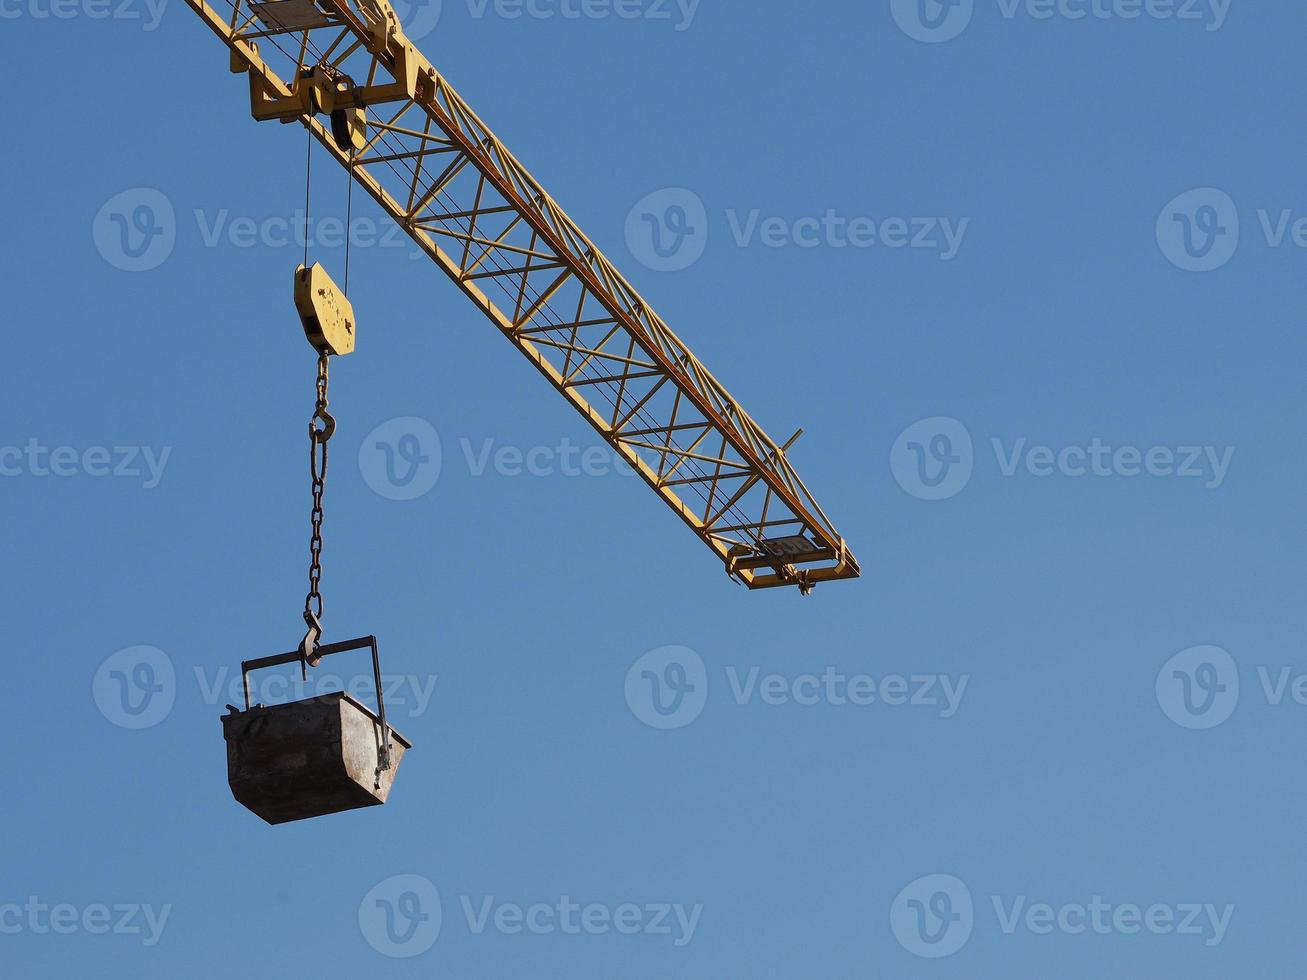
x=309 y=758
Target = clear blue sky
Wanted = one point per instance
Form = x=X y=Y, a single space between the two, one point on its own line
x=1000 y=421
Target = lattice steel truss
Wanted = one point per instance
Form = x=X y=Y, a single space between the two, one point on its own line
x=438 y=170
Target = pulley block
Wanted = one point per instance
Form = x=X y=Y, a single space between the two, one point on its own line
x=325 y=311
x=325 y=91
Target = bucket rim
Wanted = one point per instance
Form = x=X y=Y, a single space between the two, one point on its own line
x=331 y=696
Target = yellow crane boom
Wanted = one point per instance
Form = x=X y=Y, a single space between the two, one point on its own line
x=426 y=158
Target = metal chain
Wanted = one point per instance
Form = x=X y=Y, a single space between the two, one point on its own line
x=319 y=436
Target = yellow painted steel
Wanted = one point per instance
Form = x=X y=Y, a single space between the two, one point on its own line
x=326 y=313
x=430 y=162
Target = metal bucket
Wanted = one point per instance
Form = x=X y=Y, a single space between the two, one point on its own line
x=310 y=758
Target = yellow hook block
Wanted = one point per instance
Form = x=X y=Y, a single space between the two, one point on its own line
x=326 y=313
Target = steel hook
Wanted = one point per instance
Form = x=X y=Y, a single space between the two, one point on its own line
x=328 y=429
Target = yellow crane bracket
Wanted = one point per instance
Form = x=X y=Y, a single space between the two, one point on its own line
x=327 y=315
x=324 y=88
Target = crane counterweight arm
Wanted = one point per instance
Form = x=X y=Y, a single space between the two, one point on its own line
x=438 y=170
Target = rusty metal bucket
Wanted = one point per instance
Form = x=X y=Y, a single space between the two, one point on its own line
x=310 y=758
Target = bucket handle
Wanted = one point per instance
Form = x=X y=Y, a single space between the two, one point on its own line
x=326 y=650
